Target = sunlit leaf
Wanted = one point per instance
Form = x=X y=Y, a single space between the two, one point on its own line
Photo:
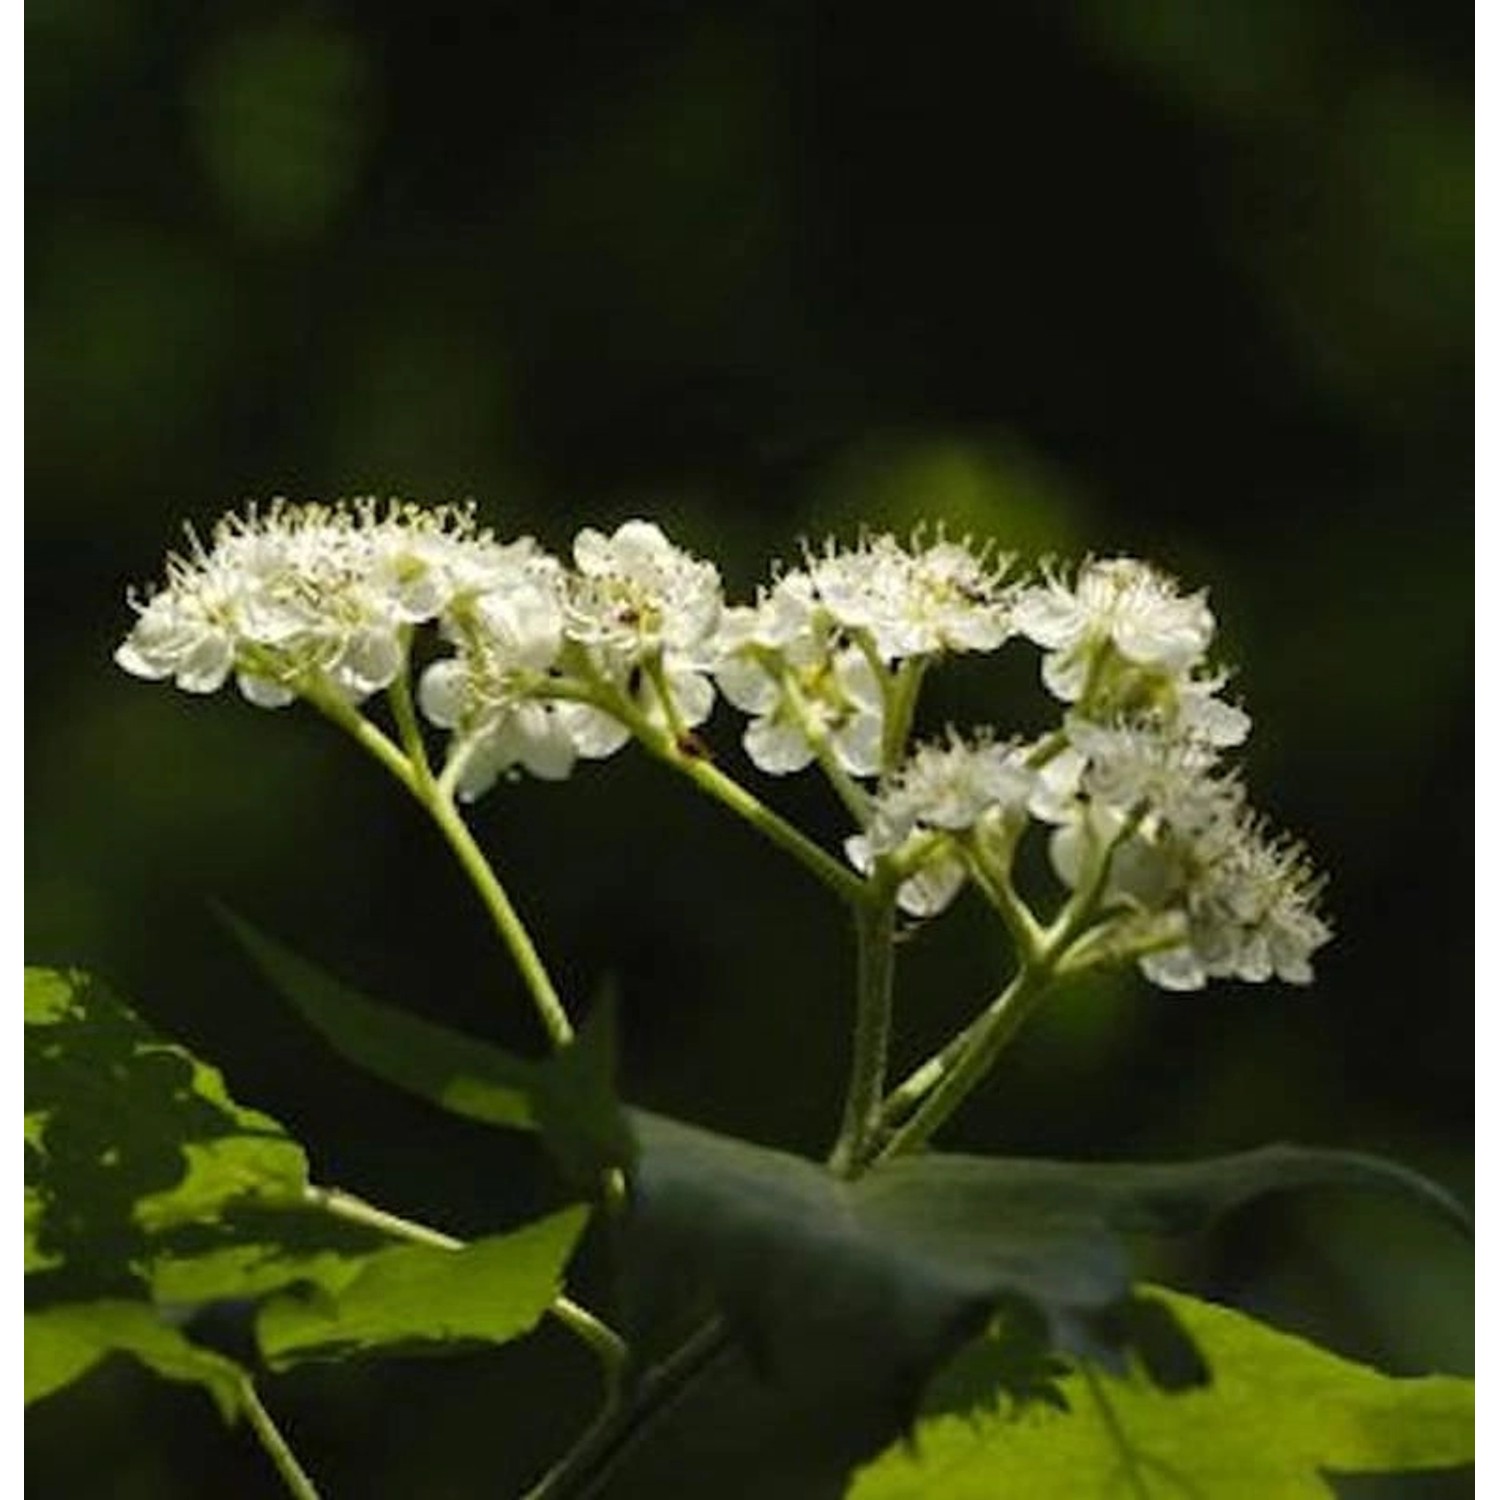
x=413 y=1297
x=1279 y=1415
x=63 y=1343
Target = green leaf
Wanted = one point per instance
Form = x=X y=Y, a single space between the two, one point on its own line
x=568 y=1096
x=415 y=1297
x=63 y=1343
x=847 y=1295
x=1279 y=1413
x=577 y=1109
x=457 y=1073
x=136 y=1155
x=152 y=1196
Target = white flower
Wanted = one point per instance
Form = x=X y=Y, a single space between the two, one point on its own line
x=637 y=601
x=1251 y=915
x=942 y=790
x=1188 y=860
x=302 y=597
x=636 y=593
x=782 y=662
x=189 y=630
x=1119 y=603
x=915 y=601
x=509 y=638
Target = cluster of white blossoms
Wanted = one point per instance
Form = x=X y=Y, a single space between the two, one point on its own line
x=1145 y=815
x=309 y=597
x=810 y=660
x=941 y=798
x=540 y=663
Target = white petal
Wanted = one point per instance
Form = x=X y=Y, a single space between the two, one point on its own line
x=533 y=735
x=371 y=660
x=205 y=666
x=858 y=745
x=591 y=551
x=777 y=747
x=442 y=691
x=692 y=694
x=595 y=733
x=128 y=656
x=747 y=685
x=483 y=761
x=1065 y=673
x=1069 y=850
x=932 y=888
x=1049 y=617
x=1056 y=786
x=264 y=692
x=1176 y=969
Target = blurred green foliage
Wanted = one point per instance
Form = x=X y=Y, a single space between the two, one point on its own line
x=1193 y=282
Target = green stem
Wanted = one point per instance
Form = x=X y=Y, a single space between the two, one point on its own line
x=338 y=1204
x=843 y=882
x=293 y=1475
x=901 y=708
x=586 y=1468
x=404 y=711
x=368 y=737
x=708 y=778
x=995 y=885
x=905 y=1097
x=973 y=1054
x=503 y=914
x=943 y=1082
x=417 y=779
x=1082 y=907
x=875 y=933
x=612 y=1351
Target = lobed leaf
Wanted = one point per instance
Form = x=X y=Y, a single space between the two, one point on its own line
x=1280 y=1416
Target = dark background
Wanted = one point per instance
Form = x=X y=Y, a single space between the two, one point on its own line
x=1189 y=281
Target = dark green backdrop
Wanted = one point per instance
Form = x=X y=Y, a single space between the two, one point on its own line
x=1188 y=281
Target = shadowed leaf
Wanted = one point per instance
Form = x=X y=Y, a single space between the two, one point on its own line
x=568 y=1096
x=846 y=1296
x=457 y=1073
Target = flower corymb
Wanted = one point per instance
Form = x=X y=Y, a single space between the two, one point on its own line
x=524 y=662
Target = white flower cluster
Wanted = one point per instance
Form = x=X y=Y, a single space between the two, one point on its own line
x=941 y=793
x=809 y=659
x=546 y=663
x=1133 y=785
x=309 y=597
x=1201 y=887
